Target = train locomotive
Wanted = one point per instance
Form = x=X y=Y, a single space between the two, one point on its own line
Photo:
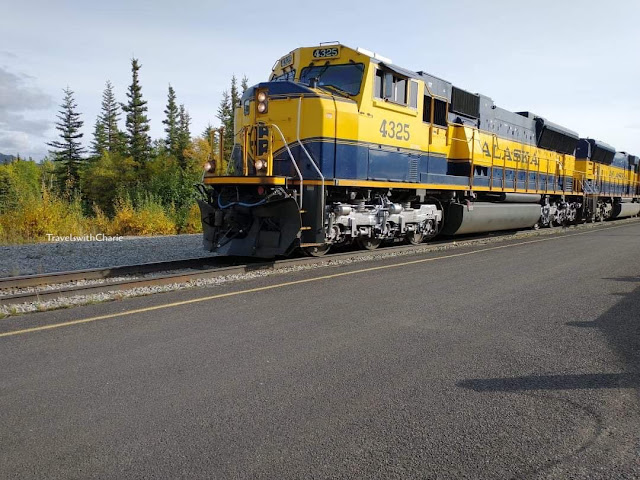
x=342 y=146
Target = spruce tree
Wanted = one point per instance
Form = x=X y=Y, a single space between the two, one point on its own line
x=235 y=101
x=67 y=152
x=210 y=134
x=225 y=115
x=244 y=84
x=235 y=95
x=138 y=141
x=184 y=133
x=99 y=144
x=171 y=124
x=206 y=133
x=110 y=115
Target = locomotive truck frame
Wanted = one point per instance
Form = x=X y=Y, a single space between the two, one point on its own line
x=343 y=146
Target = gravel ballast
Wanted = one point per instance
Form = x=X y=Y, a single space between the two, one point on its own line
x=49 y=257
x=16 y=309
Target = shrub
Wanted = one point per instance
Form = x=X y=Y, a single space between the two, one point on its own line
x=18 y=180
x=36 y=216
x=149 y=218
x=193 y=222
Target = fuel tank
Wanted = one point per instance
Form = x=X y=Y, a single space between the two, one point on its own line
x=487 y=217
x=622 y=210
x=514 y=197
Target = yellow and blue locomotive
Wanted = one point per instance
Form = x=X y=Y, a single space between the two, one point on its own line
x=341 y=145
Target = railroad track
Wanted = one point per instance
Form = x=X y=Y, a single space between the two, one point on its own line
x=49 y=286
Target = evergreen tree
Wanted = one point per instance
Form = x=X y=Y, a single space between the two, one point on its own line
x=210 y=134
x=226 y=112
x=99 y=144
x=109 y=116
x=229 y=132
x=67 y=152
x=244 y=84
x=184 y=133
x=225 y=115
x=206 y=133
x=172 y=127
x=235 y=95
x=138 y=141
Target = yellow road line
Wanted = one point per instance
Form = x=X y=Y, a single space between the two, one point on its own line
x=295 y=282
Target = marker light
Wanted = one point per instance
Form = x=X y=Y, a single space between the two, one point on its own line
x=210 y=166
x=260 y=164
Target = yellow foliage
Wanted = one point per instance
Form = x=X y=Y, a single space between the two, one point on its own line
x=198 y=153
x=35 y=217
x=100 y=223
x=193 y=222
x=148 y=219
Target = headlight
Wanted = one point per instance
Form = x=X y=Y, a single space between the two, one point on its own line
x=260 y=164
x=210 y=166
x=262 y=102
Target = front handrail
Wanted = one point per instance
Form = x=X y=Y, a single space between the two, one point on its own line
x=295 y=165
x=244 y=131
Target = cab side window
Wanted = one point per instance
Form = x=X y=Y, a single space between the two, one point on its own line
x=426 y=110
x=395 y=88
x=439 y=111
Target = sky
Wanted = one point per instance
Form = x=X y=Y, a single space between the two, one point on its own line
x=576 y=63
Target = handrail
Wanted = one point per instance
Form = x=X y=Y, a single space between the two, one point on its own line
x=310 y=159
x=295 y=165
x=494 y=138
x=245 y=152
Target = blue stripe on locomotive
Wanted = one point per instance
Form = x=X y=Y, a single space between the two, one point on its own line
x=368 y=162
x=359 y=161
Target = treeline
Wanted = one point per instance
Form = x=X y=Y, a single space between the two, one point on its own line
x=125 y=183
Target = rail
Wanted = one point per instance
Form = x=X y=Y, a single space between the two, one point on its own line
x=15 y=288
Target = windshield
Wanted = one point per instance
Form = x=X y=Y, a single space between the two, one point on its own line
x=343 y=77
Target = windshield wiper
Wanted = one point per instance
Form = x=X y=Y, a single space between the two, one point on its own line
x=336 y=89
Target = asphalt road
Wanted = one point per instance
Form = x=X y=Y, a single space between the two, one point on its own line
x=510 y=360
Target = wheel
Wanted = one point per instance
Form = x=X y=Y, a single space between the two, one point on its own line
x=369 y=243
x=317 y=250
x=415 y=238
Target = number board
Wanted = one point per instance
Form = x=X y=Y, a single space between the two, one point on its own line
x=331 y=52
x=397 y=130
x=286 y=60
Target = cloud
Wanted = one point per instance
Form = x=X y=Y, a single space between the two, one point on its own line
x=17 y=96
x=4 y=53
x=14 y=142
x=20 y=102
x=18 y=123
